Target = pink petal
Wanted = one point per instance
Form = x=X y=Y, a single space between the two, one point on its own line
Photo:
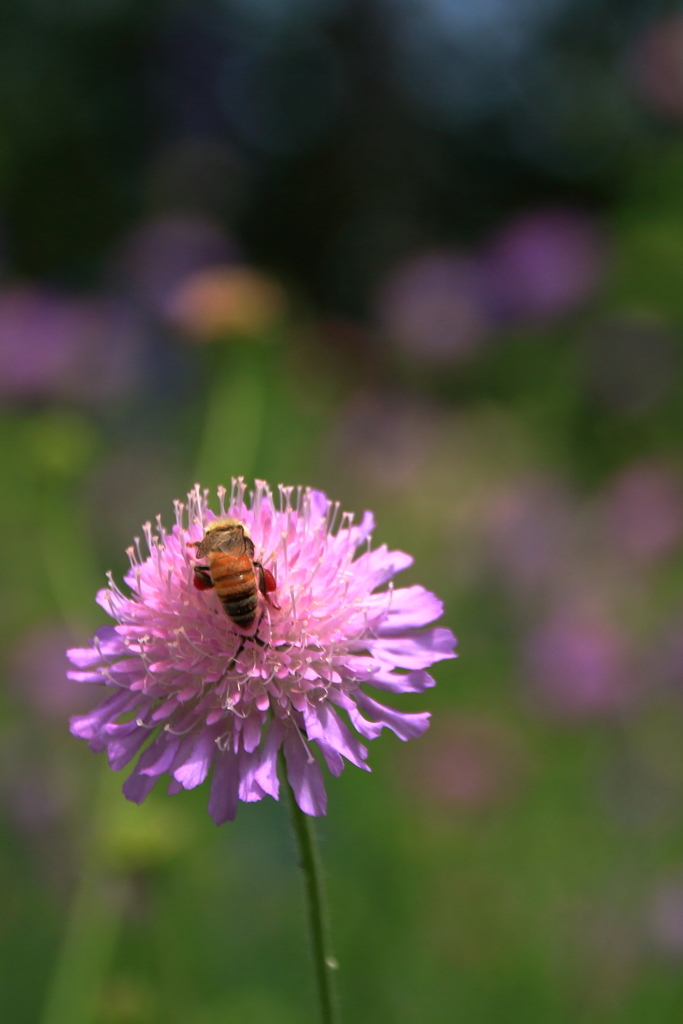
x=107 y=644
x=406 y=726
x=137 y=787
x=123 y=749
x=159 y=755
x=381 y=564
x=251 y=732
x=409 y=608
x=266 y=773
x=195 y=769
x=86 y=677
x=324 y=725
x=415 y=652
x=384 y=677
x=249 y=790
x=369 y=730
x=90 y=725
x=304 y=776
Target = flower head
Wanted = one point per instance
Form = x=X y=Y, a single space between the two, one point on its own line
x=193 y=689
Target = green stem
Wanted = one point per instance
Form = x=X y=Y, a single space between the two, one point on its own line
x=324 y=963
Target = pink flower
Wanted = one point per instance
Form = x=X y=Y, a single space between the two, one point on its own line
x=644 y=511
x=193 y=690
x=434 y=308
x=544 y=263
x=579 y=665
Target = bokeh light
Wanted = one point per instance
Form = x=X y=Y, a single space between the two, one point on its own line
x=544 y=263
x=578 y=666
x=645 y=511
x=160 y=254
x=58 y=346
x=433 y=308
x=656 y=66
x=37 y=669
x=469 y=763
x=224 y=301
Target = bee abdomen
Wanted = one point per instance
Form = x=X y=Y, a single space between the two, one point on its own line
x=241 y=608
x=236 y=588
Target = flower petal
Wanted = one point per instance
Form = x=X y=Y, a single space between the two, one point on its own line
x=333 y=759
x=137 y=786
x=249 y=790
x=384 y=677
x=407 y=726
x=86 y=677
x=304 y=775
x=380 y=565
x=318 y=504
x=106 y=644
x=158 y=757
x=90 y=725
x=266 y=773
x=323 y=725
x=195 y=769
x=122 y=749
x=251 y=732
x=84 y=657
x=418 y=651
x=409 y=608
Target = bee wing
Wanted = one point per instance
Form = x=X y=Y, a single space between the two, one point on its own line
x=234 y=543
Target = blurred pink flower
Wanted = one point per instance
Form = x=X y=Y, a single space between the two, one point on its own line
x=468 y=761
x=644 y=511
x=433 y=307
x=159 y=255
x=544 y=263
x=58 y=346
x=667 y=654
x=36 y=788
x=37 y=668
x=657 y=65
x=528 y=528
x=578 y=666
x=665 y=916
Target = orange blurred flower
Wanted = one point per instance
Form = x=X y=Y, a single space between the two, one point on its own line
x=221 y=301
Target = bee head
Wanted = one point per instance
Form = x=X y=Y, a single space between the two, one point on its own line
x=227 y=525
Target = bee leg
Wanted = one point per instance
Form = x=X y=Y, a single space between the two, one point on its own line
x=266 y=584
x=237 y=654
x=202 y=578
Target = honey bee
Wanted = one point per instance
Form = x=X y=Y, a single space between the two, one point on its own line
x=232 y=571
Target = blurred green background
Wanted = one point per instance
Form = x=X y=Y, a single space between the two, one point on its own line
x=426 y=255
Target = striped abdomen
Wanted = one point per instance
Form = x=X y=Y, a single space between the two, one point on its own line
x=234 y=581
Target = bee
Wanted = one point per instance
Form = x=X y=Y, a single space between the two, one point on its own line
x=232 y=571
